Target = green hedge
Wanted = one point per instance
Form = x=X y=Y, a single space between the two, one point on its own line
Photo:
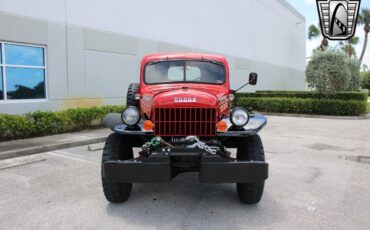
x=42 y=123
x=321 y=106
x=306 y=94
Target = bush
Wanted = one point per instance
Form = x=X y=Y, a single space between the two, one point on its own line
x=306 y=94
x=365 y=80
x=355 y=80
x=42 y=123
x=46 y=123
x=305 y=106
x=14 y=125
x=328 y=72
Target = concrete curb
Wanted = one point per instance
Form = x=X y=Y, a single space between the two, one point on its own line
x=363 y=117
x=51 y=147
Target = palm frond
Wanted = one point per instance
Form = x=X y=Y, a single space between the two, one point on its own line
x=364 y=16
x=353 y=40
x=313 y=32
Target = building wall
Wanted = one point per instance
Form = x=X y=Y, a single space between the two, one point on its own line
x=94 y=47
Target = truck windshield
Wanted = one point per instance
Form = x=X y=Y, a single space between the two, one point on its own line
x=184 y=71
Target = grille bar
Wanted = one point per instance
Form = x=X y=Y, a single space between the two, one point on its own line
x=185 y=121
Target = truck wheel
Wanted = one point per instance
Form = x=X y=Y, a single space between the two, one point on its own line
x=131 y=92
x=116 y=148
x=250 y=148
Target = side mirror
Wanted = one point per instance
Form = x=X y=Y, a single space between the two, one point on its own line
x=253 y=78
x=252 y=81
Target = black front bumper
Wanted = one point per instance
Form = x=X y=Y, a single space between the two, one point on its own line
x=159 y=168
x=113 y=121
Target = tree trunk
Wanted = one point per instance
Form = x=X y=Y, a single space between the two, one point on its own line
x=366 y=28
x=324 y=44
x=349 y=51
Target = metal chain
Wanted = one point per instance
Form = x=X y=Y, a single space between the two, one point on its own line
x=201 y=145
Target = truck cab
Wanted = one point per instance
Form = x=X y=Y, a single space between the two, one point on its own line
x=181 y=116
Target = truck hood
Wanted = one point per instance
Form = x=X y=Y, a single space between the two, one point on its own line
x=185 y=97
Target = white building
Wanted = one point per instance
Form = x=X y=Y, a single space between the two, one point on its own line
x=67 y=53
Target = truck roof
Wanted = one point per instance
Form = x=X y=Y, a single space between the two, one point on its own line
x=175 y=56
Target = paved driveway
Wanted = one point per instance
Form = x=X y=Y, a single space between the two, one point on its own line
x=319 y=179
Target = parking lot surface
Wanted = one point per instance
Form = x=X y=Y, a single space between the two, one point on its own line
x=319 y=179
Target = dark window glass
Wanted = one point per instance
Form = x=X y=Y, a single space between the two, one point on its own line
x=1 y=84
x=206 y=72
x=24 y=55
x=195 y=71
x=25 y=83
x=1 y=56
x=162 y=72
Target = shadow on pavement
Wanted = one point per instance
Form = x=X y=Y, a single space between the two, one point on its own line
x=186 y=203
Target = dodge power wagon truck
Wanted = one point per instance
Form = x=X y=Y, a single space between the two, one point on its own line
x=181 y=115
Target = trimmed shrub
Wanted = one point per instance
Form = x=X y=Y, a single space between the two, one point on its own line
x=46 y=123
x=12 y=126
x=307 y=94
x=305 y=106
x=42 y=123
x=328 y=72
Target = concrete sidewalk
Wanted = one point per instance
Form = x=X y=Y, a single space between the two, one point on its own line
x=30 y=146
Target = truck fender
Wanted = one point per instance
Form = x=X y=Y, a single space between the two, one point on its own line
x=111 y=120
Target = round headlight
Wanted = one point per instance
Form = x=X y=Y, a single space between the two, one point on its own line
x=130 y=116
x=239 y=117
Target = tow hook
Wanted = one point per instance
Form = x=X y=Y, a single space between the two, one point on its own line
x=154 y=143
x=160 y=140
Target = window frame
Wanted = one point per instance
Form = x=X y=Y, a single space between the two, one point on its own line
x=3 y=68
x=186 y=82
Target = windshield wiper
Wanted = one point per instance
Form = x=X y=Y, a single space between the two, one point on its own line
x=153 y=62
x=157 y=61
x=212 y=61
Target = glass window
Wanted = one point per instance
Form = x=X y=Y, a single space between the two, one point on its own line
x=24 y=55
x=169 y=71
x=25 y=83
x=22 y=72
x=192 y=73
x=1 y=56
x=1 y=84
x=173 y=72
x=176 y=73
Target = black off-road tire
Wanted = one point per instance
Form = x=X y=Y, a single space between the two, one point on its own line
x=250 y=148
x=116 y=148
x=131 y=92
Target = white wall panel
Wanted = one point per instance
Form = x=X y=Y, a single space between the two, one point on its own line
x=76 y=62
x=47 y=9
x=56 y=54
x=108 y=74
x=21 y=29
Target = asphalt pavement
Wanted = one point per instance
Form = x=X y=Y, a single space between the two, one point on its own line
x=319 y=179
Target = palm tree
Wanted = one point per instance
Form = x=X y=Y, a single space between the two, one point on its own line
x=364 y=18
x=314 y=32
x=348 y=46
x=364 y=67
